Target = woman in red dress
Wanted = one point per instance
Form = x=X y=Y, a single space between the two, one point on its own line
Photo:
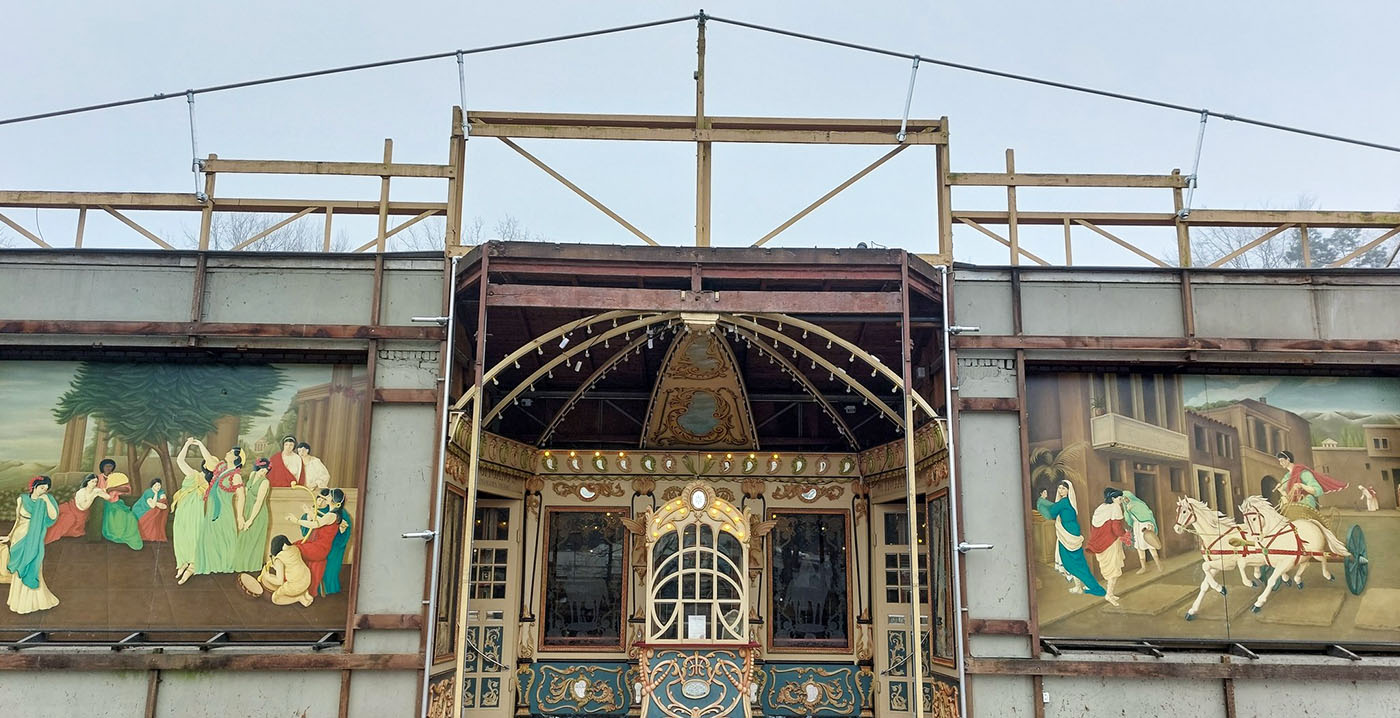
x=73 y=514
x=316 y=546
x=152 y=511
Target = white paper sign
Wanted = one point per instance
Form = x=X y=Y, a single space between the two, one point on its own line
x=695 y=628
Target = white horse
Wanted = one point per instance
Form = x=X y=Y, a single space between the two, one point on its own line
x=1220 y=541
x=1287 y=544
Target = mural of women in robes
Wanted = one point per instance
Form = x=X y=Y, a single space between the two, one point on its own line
x=250 y=547
x=219 y=532
x=151 y=511
x=73 y=514
x=330 y=584
x=1069 y=554
x=118 y=523
x=188 y=508
x=23 y=567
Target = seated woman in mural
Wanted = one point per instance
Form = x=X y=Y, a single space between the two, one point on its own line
x=286 y=574
x=313 y=516
x=330 y=583
x=22 y=550
x=219 y=532
x=151 y=511
x=118 y=523
x=188 y=509
x=93 y=531
x=316 y=546
x=1142 y=524
x=316 y=473
x=285 y=469
x=73 y=514
x=1069 y=554
x=250 y=547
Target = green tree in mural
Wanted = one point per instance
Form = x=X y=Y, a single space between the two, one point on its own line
x=151 y=406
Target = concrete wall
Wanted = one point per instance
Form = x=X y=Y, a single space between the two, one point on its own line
x=1132 y=303
x=159 y=286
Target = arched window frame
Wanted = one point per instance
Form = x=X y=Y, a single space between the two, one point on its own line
x=697 y=510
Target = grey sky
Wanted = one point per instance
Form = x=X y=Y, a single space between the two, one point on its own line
x=1326 y=67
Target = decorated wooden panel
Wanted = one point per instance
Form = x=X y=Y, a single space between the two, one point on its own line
x=594 y=688
x=177 y=496
x=821 y=690
x=699 y=398
x=1216 y=506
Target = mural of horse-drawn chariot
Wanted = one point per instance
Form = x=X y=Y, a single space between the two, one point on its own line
x=1195 y=506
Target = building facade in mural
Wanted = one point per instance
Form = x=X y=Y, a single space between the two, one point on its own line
x=160 y=475
x=1251 y=482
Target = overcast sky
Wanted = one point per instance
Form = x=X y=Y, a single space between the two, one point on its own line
x=1328 y=67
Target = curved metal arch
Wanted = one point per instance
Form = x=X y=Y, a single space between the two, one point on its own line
x=821 y=361
x=571 y=353
x=806 y=383
x=865 y=356
x=597 y=374
x=554 y=333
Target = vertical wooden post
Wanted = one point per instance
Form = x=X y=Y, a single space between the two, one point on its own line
x=152 y=691
x=1011 y=230
x=1069 y=250
x=473 y=458
x=945 y=197
x=1183 y=231
x=1305 y=244
x=916 y=646
x=456 y=154
x=384 y=199
x=82 y=222
x=206 y=216
x=703 y=149
x=326 y=242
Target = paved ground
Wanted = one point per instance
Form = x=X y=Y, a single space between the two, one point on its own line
x=1154 y=604
x=104 y=585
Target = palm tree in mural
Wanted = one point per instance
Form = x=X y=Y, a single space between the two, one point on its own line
x=1049 y=466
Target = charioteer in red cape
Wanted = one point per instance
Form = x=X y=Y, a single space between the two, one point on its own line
x=1304 y=485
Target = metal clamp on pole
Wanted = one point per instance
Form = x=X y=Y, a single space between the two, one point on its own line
x=964 y=547
x=425 y=534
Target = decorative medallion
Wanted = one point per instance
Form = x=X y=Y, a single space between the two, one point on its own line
x=808 y=493
x=590 y=490
x=699 y=398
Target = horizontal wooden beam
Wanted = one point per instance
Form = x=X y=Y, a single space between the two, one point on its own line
x=406 y=396
x=172 y=201
x=523 y=266
x=1310 y=217
x=1002 y=179
x=998 y=627
x=1107 y=219
x=295 y=167
x=520 y=295
x=681 y=128
x=1183 y=344
x=1161 y=668
x=220 y=329
x=987 y=403
x=388 y=621
x=107 y=660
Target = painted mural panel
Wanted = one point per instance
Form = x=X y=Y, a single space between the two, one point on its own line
x=1211 y=506
x=177 y=496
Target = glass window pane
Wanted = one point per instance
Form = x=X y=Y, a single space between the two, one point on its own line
x=453 y=508
x=584 y=554
x=810 y=601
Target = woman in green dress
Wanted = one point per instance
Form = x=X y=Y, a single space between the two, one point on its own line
x=219 y=533
x=119 y=525
x=330 y=582
x=250 y=547
x=188 y=509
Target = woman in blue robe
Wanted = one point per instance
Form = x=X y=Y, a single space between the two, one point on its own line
x=35 y=512
x=1069 y=557
x=330 y=583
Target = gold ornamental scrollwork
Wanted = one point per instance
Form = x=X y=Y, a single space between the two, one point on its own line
x=674 y=492
x=808 y=493
x=815 y=690
x=589 y=490
x=575 y=687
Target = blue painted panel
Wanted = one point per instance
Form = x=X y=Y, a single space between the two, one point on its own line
x=600 y=688
x=702 y=683
x=815 y=690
